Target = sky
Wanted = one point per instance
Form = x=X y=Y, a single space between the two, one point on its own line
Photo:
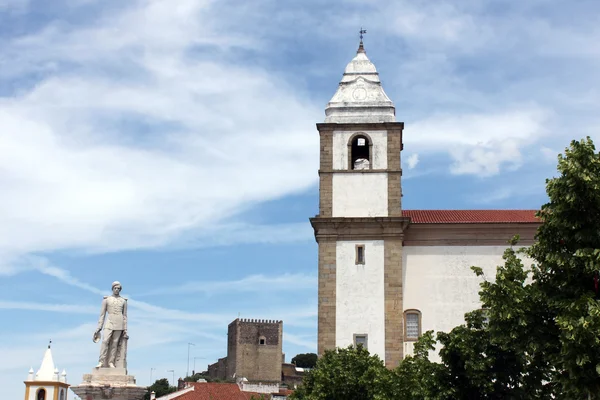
x=171 y=145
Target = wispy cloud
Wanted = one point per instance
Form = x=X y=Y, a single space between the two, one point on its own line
x=80 y=140
x=60 y=308
x=251 y=283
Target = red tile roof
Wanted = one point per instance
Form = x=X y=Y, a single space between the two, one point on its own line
x=217 y=391
x=470 y=216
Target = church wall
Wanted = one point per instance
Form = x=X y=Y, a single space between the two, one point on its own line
x=360 y=195
x=340 y=149
x=360 y=295
x=439 y=282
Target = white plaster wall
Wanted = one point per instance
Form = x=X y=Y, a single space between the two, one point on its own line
x=340 y=149
x=439 y=282
x=360 y=295
x=360 y=195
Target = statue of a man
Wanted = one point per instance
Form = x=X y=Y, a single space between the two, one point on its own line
x=115 y=328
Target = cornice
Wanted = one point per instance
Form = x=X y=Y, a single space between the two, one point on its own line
x=360 y=171
x=359 y=228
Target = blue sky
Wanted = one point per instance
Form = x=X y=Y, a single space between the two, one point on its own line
x=172 y=145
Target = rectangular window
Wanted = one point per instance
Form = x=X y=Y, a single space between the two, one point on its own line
x=360 y=254
x=361 y=141
x=413 y=329
x=361 y=340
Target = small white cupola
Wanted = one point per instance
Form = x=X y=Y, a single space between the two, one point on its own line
x=360 y=98
x=46 y=384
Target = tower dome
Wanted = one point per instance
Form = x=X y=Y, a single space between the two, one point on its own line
x=360 y=98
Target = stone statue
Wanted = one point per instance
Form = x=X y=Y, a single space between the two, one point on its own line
x=114 y=343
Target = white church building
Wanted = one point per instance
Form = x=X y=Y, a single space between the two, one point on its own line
x=388 y=274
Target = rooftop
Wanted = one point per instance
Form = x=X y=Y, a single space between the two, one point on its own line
x=213 y=391
x=471 y=216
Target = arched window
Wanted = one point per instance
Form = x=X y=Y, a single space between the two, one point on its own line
x=359 y=151
x=62 y=394
x=41 y=394
x=412 y=325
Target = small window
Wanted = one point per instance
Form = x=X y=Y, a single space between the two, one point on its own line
x=360 y=254
x=361 y=142
x=41 y=394
x=262 y=340
x=412 y=324
x=361 y=340
x=62 y=394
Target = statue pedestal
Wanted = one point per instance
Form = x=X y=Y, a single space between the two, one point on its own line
x=109 y=383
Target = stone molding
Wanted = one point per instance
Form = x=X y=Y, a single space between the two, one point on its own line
x=367 y=126
x=476 y=234
x=358 y=228
x=360 y=171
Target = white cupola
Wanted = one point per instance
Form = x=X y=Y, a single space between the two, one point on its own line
x=360 y=98
x=46 y=384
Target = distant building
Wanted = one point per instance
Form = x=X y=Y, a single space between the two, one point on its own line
x=291 y=375
x=254 y=352
x=47 y=383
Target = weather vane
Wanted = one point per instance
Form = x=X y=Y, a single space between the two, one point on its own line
x=362 y=32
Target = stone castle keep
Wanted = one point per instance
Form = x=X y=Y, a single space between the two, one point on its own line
x=254 y=351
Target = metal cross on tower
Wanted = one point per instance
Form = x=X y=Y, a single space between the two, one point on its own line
x=362 y=32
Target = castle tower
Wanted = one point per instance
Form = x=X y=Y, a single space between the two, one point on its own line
x=359 y=228
x=254 y=350
x=46 y=384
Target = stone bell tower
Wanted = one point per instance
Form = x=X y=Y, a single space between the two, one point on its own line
x=359 y=228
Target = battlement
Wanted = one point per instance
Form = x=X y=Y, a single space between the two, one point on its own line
x=256 y=321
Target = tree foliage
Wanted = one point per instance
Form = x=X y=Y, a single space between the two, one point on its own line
x=160 y=387
x=346 y=374
x=305 y=360
x=537 y=335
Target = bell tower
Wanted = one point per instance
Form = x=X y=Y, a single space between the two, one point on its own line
x=359 y=228
x=46 y=383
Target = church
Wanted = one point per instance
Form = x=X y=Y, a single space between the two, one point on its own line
x=386 y=274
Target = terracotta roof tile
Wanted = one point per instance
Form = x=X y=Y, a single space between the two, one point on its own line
x=470 y=216
x=218 y=391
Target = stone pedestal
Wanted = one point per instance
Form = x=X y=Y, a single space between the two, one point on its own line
x=109 y=383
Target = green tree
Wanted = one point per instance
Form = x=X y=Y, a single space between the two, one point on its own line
x=160 y=387
x=417 y=377
x=538 y=338
x=305 y=360
x=567 y=255
x=538 y=334
x=346 y=374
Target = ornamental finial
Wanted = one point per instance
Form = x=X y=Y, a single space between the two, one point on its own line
x=361 y=48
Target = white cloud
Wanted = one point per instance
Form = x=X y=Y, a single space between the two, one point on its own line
x=412 y=161
x=480 y=144
x=70 y=176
